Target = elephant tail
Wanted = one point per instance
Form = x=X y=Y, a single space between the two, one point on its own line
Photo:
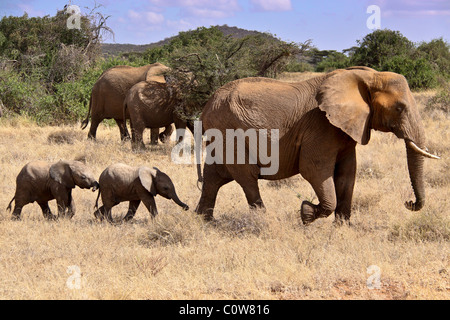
x=96 y=201
x=199 y=162
x=86 y=121
x=10 y=203
x=125 y=108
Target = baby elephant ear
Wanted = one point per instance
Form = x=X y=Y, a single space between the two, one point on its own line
x=61 y=173
x=147 y=176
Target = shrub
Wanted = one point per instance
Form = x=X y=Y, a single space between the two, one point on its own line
x=335 y=60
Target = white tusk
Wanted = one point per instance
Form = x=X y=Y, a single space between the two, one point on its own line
x=413 y=146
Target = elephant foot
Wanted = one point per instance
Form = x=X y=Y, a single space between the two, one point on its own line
x=163 y=138
x=15 y=217
x=50 y=217
x=128 y=217
x=207 y=214
x=311 y=212
x=258 y=205
x=341 y=219
x=308 y=212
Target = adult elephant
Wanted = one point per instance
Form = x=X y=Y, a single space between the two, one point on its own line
x=1 y=108
x=320 y=121
x=151 y=104
x=109 y=92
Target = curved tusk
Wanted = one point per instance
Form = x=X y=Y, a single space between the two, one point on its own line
x=413 y=146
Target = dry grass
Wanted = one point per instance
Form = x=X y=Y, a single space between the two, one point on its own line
x=245 y=255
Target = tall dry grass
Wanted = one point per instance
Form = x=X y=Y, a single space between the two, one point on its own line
x=245 y=255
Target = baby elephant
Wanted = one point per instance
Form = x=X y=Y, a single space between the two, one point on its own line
x=41 y=181
x=120 y=182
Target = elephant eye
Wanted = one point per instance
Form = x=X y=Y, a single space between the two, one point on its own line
x=83 y=177
x=400 y=107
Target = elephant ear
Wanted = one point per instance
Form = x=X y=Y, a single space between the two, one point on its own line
x=344 y=97
x=156 y=73
x=147 y=176
x=62 y=173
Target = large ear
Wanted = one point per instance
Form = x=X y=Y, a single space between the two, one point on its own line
x=147 y=176
x=62 y=173
x=156 y=73
x=345 y=97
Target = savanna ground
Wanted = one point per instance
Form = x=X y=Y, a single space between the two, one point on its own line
x=245 y=255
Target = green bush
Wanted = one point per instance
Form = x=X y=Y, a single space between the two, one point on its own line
x=335 y=60
x=419 y=72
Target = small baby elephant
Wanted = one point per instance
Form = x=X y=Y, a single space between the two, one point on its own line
x=41 y=181
x=120 y=182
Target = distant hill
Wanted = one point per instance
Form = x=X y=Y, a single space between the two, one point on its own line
x=112 y=49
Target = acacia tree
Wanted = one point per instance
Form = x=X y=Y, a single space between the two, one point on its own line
x=205 y=59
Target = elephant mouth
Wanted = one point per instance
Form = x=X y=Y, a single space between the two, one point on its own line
x=95 y=187
x=418 y=150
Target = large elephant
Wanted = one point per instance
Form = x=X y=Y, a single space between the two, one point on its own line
x=1 y=108
x=151 y=104
x=320 y=121
x=109 y=92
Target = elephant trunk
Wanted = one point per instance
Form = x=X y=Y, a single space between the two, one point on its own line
x=415 y=168
x=180 y=203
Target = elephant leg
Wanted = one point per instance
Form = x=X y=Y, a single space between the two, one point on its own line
x=122 y=124
x=93 y=129
x=17 y=211
x=322 y=182
x=137 y=137
x=46 y=211
x=180 y=124
x=344 y=180
x=165 y=135
x=212 y=182
x=102 y=212
x=132 y=210
x=71 y=209
x=247 y=177
x=154 y=134
x=63 y=201
x=150 y=204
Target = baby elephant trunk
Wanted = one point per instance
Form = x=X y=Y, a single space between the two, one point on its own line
x=181 y=204
x=95 y=187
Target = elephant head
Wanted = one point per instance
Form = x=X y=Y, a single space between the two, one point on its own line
x=359 y=99
x=73 y=173
x=157 y=182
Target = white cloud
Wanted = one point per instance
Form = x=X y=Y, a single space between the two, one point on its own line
x=201 y=8
x=271 y=5
x=145 y=17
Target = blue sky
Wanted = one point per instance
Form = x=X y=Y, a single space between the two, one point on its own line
x=330 y=24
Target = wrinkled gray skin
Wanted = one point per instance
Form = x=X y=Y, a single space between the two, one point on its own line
x=109 y=92
x=320 y=121
x=151 y=104
x=120 y=182
x=42 y=181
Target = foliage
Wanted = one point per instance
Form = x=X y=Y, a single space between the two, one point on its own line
x=378 y=47
x=205 y=59
x=46 y=69
x=333 y=60
x=422 y=64
x=440 y=101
